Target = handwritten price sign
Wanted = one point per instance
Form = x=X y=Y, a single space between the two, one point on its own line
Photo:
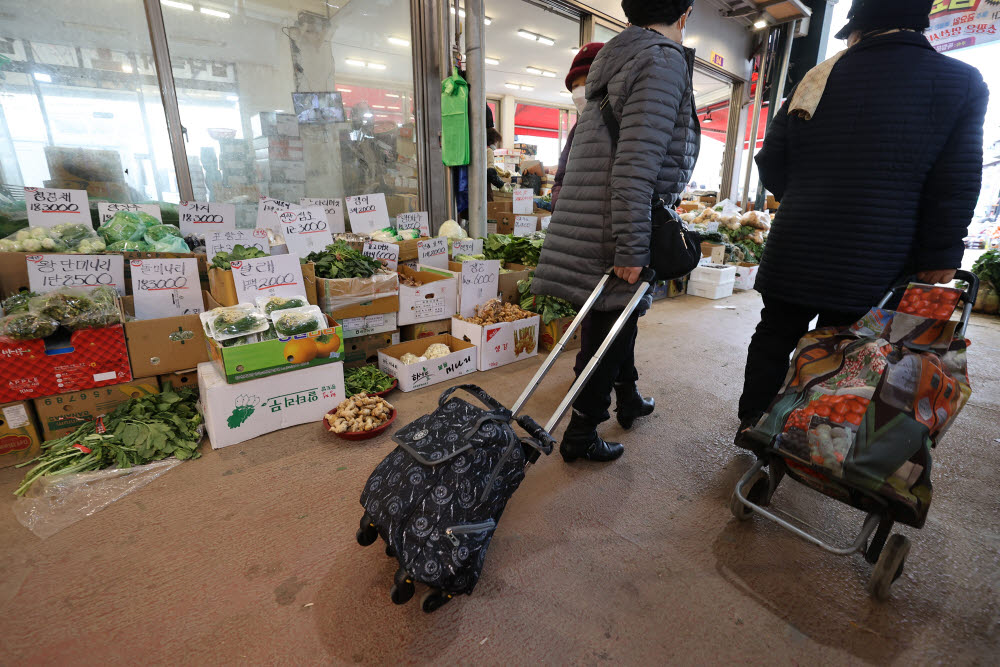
x=267 y=213
x=206 y=217
x=466 y=247
x=107 y=210
x=216 y=242
x=387 y=253
x=280 y=275
x=49 y=272
x=368 y=213
x=523 y=201
x=433 y=252
x=417 y=220
x=334 y=212
x=525 y=225
x=166 y=287
x=305 y=230
x=480 y=283
x=48 y=207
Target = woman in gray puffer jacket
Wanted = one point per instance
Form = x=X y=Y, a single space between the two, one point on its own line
x=602 y=220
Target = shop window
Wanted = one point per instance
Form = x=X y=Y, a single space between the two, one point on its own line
x=604 y=33
x=298 y=99
x=80 y=106
x=538 y=128
x=712 y=96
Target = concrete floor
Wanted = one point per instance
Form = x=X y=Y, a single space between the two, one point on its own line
x=248 y=554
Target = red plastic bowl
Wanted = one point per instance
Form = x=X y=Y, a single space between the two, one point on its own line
x=395 y=383
x=359 y=435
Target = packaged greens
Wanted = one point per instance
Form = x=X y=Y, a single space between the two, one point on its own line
x=27 y=326
x=233 y=321
x=67 y=237
x=128 y=246
x=78 y=308
x=269 y=304
x=125 y=226
x=17 y=303
x=157 y=233
x=295 y=321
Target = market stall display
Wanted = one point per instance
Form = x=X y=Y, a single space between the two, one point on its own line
x=360 y=415
x=68 y=237
x=222 y=260
x=368 y=379
x=987 y=268
x=514 y=249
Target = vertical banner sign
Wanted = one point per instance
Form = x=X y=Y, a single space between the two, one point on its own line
x=267 y=213
x=204 y=217
x=107 y=210
x=48 y=207
x=216 y=242
x=433 y=252
x=279 y=275
x=334 y=212
x=418 y=220
x=466 y=247
x=368 y=213
x=959 y=24
x=387 y=253
x=524 y=201
x=525 y=225
x=166 y=287
x=480 y=283
x=48 y=272
x=305 y=230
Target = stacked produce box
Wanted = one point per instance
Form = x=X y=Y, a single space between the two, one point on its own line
x=278 y=152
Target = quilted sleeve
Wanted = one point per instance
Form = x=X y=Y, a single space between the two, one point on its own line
x=649 y=113
x=952 y=189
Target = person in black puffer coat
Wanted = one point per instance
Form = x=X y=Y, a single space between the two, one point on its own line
x=602 y=220
x=877 y=162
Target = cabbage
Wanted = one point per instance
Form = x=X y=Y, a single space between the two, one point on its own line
x=452 y=230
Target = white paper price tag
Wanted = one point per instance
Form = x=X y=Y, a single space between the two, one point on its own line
x=433 y=252
x=523 y=201
x=267 y=213
x=216 y=242
x=48 y=207
x=204 y=217
x=418 y=220
x=387 y=253
x=480 y=283
x=166 y=287
x=48 y=272
x=106 y=210
x=545 y=222
x=466 y=247
x=525 y=225
x=334 y=212
x=305 y=230
x=368 y=213
x=279 y=275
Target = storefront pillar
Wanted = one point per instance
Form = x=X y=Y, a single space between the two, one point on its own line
x=476 y=70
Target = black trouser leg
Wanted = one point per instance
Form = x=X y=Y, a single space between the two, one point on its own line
x=595 y=399
x=627 y=372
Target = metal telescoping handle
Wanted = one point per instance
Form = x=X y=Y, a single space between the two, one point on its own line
x=560 y=346
x=581 y=381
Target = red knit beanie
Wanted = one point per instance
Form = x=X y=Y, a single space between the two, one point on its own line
x=582 y=61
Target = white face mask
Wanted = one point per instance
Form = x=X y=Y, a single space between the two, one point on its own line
x=580 y=98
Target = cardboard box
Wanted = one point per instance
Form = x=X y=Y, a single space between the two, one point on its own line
x=223 y=287
x=83 y=360
x=424 y=329
x=344 y=298
x=553 y=332
x=746 y=276
x=364 y=349
x=19 y=437
x=408 y=250
x=241 y=363
x=356 y=327
x=435 y=299
x=461 y=361
x=716 y=252
x=274 y=124
x=63 y=413
x=166 y=344
x=237 y=413
x=669 y=289
x=188 y=378
x=502 y=343
x=508 y=283
x=772 y=203
x=689 y=206
x=505 y=221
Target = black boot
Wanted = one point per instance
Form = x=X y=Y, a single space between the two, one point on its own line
x=580 y=441
x=631 y=404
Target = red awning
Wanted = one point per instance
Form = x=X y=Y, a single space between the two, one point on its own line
x=715 y=121
x=535 y=121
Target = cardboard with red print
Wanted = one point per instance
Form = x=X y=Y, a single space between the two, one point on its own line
x=20 y=440
x=501 y=343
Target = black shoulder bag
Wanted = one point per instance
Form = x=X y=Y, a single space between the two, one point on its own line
x=674 y=251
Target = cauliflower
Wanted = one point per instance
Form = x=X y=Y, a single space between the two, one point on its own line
x=436 y=351
x=39 y=233
x=6 y=245
x=410 y=358
x=22 y=235
x=32 y=245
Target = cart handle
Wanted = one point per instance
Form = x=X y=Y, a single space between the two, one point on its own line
x=968 y=297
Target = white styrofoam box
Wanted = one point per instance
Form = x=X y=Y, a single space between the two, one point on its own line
x=709 y=290
x=461 y=361
x=714 y=274
x=355 y=327
x=274 y=124
x=436 y=299
x=746 y=276
x=235 y=413
x=497 y=342
x=281 y=171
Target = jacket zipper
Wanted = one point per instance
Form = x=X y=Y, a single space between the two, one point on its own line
x=468 y=528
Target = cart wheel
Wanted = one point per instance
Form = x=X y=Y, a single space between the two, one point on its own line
x=758 y=493
x=367 y=534
x=389 y=551
x=434 y=600
x=401 y=593
x=889 y=566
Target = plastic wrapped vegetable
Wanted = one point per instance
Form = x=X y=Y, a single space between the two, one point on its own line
x=274 y=303
x=128 y=246
x=170 y=244
x=158 y=232
x=77 y=308
x=436 y=351
x=298 y=321
x=17 y=303
x=233 y=322
x=410 y=358
x=27 y=326
x=124 y=226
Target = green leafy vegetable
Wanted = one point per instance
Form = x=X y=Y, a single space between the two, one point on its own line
x=240 y=252
x=18 y=303
x=282 y=303
x=549 y=307
x=516 y=249
x=339 y=260
x=367 y=379
x=27 y=326
x=987 y=267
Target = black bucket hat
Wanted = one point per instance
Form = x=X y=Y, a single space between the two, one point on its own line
x=868 y=15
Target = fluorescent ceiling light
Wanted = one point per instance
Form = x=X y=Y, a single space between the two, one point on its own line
x=378 y=106
x=512 y=86
x=392 y=95
x=232 y=98
x=527 y=87
x=178 y=5
x=214 y=12
x=393 y=108
x=760 y=24
x=43 y=77
x=343 y=90
x=551 y=75
x=127 y=68
x=376 y=66
x=527 y=35
x=546 y=41
x=367 y=114
x=532 y=70
x=399 y=41
x=492 y=61
x=354 y=63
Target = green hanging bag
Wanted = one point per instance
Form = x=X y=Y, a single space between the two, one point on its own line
x=454 y=120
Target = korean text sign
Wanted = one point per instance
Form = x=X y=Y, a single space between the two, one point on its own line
x=49 y=272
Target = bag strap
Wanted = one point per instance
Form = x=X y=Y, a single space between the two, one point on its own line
x=484 y=398
x=614 y=128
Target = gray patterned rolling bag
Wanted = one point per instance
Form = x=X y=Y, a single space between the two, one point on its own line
x=437 y=498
